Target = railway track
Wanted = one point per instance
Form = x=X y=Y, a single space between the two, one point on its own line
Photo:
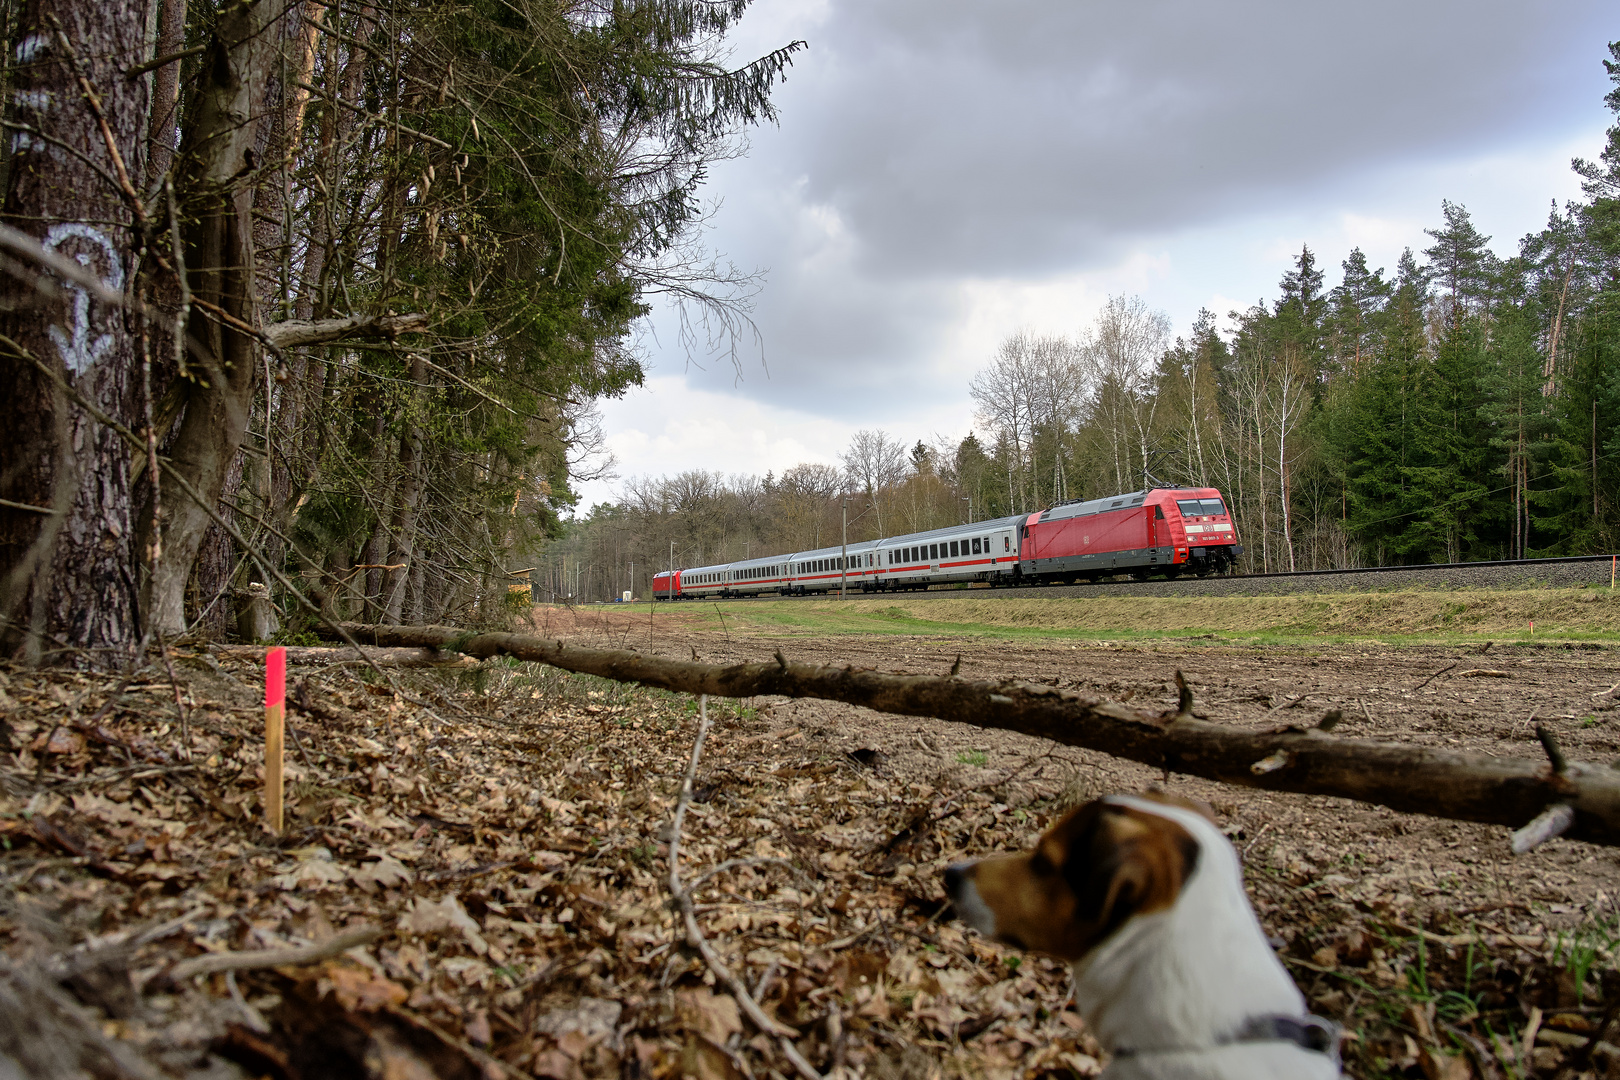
x=1569 y=572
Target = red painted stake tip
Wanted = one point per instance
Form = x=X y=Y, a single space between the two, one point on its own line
x=275 y=676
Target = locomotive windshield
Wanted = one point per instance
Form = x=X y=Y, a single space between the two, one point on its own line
x=1200 y=507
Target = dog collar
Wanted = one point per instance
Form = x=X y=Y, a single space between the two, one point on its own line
x=1313 y=1033
x=1306 y=1032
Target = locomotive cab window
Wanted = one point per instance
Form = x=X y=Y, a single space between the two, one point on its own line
x=1158 y=513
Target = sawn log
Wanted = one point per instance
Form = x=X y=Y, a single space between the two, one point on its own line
x=1415 y=779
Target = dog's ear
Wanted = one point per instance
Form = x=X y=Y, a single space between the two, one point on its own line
x=1126 y=862
x=1169 y=798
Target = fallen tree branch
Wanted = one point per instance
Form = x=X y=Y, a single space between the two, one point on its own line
x=294 y=333
x=262 y=958
x=316 y=655
x=1415 y=779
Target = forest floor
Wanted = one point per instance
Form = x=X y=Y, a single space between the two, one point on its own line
x=504 y=833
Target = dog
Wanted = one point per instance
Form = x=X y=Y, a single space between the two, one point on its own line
x=1143 y=896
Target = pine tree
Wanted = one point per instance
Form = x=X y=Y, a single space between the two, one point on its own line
x=1460 y=259
x=1300 y=313
x=1516 y=414
x=1352 y=319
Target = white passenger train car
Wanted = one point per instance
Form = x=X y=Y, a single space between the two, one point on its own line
x=982 y=551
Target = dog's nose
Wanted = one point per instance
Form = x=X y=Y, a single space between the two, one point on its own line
x=955 y=874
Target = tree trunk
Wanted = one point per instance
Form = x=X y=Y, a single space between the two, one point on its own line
x=222 y=144
x=402 y=558
x=165 y=110
x=67 y=561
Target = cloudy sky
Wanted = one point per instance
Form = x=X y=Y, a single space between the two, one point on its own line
x=946 y=172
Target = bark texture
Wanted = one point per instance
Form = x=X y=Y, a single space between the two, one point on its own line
x=1414 y=779
x=68 y=574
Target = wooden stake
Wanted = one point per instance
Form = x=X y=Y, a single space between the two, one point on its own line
x=275 y=713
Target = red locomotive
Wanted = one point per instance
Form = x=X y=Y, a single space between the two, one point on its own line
x=1160 y=530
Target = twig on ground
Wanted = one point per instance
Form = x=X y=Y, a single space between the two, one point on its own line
x=1435 y=676
x=694 y=935
x=263 y=958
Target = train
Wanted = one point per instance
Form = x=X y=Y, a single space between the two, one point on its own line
x=1161 y=530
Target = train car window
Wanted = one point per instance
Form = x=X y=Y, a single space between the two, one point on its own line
x=975 y=545
x=933 y=551
x=953 y=548
x=1006 y=543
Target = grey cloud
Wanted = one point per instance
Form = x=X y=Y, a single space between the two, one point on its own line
x=957 y=136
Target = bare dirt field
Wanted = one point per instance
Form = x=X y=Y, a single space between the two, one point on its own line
x=495 y=840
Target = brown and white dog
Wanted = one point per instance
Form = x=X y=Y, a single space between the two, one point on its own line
x=1143 y=896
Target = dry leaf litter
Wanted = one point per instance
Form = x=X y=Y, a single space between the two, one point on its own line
x=504 y=835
